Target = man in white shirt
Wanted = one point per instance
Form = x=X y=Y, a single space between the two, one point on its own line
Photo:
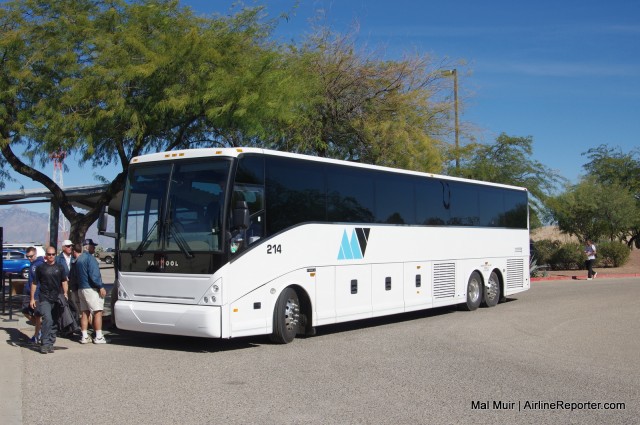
x=66 y=259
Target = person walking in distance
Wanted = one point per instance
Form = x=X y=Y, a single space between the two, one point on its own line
x=590 y=252
x=91 y=291
x=51 y=279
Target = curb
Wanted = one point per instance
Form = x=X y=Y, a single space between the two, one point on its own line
x=600 y=276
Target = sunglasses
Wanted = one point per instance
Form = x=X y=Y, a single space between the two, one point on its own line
x=29 y=256
x=67 y=246
x=50 y=254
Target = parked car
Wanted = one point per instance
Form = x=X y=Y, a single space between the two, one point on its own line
x=16 y=262
x=107 y=255
x=22 y=246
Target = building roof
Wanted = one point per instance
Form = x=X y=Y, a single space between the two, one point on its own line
x=80 y=196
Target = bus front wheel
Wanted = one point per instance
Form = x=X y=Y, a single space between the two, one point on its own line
x=286 y=317
x=474 y=292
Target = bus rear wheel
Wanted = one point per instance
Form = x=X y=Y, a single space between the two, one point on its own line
x=474 y=292
x=492 y=290
x=286 y=317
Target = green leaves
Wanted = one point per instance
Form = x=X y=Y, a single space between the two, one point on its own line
x=592 y=210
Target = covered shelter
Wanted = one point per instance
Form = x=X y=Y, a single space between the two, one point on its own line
x=84 y=197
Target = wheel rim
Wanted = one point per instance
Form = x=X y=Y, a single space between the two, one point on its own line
x=291 y=314
x=474 y=290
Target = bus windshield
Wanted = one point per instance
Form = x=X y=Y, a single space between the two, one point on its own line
x=175 y=207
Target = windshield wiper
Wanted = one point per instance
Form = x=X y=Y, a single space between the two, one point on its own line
x=144 y=244
x=182 y=244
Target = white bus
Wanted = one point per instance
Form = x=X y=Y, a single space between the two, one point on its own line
x=224 y=243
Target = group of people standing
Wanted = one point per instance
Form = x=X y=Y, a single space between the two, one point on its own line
x=71 y=277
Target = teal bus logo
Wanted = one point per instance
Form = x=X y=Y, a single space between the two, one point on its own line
x=354 y=247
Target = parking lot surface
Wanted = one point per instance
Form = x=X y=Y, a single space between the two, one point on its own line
x=563 y=352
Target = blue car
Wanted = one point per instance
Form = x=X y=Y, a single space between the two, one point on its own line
x=16 y=262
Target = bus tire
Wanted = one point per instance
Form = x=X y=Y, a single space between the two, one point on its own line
x=286 y=317
x=474 y=292
x=492 y=291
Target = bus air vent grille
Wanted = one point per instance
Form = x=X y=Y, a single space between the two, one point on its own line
x=515 y=273
x=444 y=280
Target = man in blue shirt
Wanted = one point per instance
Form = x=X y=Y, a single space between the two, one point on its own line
x=29 y=312
x=91 y=291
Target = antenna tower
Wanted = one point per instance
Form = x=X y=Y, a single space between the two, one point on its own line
x=58 y=170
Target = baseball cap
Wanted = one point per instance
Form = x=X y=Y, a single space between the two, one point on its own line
x=89 y=242
x=66 y=242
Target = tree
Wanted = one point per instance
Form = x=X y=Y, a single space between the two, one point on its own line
x=113 y=80
x=611 y=166
x=369 y=110
x=592 y=210
x=508 y=161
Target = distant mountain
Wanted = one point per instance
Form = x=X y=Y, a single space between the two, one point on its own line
x=22 y=225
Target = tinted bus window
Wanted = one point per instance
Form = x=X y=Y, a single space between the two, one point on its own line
x=349 y=195
x=250 y=170
x=464 y=205
x=295 y=193
x=491 y=206
x=394 y=199
x=433 y=201
x=516 y=210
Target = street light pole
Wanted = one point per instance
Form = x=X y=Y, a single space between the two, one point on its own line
x=454 y=73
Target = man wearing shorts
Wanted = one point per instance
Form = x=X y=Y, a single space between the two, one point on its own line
x=91 y=291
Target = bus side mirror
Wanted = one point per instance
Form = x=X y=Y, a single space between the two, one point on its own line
x=241 y=216
x=102 y=220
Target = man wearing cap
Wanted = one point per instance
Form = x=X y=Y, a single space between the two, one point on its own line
x=91 y=291
x=65 y=258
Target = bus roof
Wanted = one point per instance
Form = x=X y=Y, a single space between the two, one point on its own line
x=235 y=152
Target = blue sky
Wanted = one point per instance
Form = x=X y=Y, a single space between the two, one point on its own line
x=566 y=73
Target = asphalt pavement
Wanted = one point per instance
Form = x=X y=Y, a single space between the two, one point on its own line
x=17 y=330
x=554 y=342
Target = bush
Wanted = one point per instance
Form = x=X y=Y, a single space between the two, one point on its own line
x=612 y=254
x=536 y=270
x=544 y=249
x=568 y=257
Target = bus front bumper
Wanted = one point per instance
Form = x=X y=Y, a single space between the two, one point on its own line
x=171 y=319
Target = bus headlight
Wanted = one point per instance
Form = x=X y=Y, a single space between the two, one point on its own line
x=215 y=289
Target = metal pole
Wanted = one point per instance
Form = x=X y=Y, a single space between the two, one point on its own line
x=2 y=267
x=455 y=101
x=454 y=73
x=11 y=319
x=54 y=215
